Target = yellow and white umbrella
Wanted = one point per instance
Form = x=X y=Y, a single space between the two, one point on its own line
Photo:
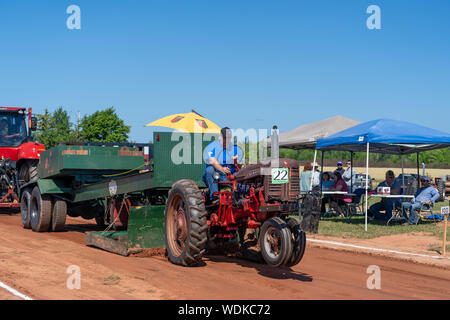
x=187 y=122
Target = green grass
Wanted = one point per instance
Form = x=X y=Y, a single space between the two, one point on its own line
x=354 y=227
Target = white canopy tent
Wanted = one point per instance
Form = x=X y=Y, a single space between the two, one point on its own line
x=305 y=136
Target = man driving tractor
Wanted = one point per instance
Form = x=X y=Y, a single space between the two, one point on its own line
x=220 y=156
x=5 y=132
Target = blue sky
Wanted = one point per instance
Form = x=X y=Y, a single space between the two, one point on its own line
x=241 y=63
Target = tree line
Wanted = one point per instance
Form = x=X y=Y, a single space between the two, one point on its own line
x=438 y=158
x=106 y=126
x=101 y=126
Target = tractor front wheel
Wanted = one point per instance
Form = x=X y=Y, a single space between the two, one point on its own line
x=185 y=224
x=275 y=242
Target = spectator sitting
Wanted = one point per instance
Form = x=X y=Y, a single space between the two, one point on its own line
x=386 y=204
x=340 y=185
x=327 y=183
x=305 y=178
x=425 y=195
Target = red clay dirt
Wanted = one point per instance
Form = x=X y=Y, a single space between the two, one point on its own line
x=36 y=265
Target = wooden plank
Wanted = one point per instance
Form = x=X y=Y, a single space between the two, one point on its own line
x=107 y=243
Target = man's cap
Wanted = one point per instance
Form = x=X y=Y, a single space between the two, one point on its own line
x=225 y=130
x=339 y=162
x=424 y=178
x=315 y=164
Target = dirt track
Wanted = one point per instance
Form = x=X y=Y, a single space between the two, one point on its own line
x=36 y=263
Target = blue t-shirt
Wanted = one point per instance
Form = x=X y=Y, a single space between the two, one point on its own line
x=327 y=185
x=223 y=156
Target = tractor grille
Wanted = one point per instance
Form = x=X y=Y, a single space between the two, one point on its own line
x=283 y=192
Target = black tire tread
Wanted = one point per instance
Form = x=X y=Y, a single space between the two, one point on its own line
x=285 y=232
x=197 y=237
x=299 y=243
x=25 y=202
x=45 y=211
x=441 y=189
x=59 y=215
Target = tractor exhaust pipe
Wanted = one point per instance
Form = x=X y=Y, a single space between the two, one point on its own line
x=274 y=148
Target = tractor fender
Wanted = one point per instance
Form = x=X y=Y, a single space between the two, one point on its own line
x=30 y=150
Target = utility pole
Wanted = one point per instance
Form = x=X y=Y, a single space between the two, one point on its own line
x=78 y=125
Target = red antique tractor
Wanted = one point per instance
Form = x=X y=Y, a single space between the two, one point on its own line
x=19 y=154
x=252 y=212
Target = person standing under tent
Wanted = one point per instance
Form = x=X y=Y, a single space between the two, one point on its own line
x=349 y=176
x=316 y=175
x=339 y=168
x=305 y=178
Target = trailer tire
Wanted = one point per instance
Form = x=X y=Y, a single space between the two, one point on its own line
x=185 y=224
x=40 y=211
x=59 y=215
x=25 y=201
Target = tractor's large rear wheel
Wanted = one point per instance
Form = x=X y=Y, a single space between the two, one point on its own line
x=40 y=211
x=275 y=242
x=185 y=224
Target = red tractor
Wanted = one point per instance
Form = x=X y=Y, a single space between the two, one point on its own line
x=19 y=154
x=252 y=214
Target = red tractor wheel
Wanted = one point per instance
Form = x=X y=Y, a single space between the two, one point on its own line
x=185 y=224
x=275 y=242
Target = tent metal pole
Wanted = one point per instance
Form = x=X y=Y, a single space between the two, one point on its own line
x=367 y=183
x=321 y=170
x=418 y=171
x=351 y=172
x=312 y=175
x=403 y=174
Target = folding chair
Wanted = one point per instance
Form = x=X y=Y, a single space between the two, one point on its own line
x=356 y=202
x=427 y=212
x=397 y=211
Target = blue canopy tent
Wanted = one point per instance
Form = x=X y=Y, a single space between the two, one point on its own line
x=385 y=136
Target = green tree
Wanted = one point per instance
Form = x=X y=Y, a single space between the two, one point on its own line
x=54 y=128
x=104 y=126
